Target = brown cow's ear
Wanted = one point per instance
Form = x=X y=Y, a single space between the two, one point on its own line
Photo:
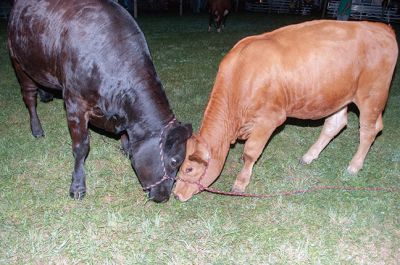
x=196 y=157
x=190 y=145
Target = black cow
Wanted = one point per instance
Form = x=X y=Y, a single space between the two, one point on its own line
x=96 y=55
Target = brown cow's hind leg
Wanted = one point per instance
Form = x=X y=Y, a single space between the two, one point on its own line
x=332 y=126
x=370 y=126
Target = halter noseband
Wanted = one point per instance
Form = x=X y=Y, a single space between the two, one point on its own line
x=165 y=177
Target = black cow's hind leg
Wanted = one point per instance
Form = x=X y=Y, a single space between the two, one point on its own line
x=78 y=127
x=29 y=92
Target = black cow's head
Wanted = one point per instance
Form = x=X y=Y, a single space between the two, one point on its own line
x=156 y=158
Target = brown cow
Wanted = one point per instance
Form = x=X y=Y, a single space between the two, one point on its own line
x=219 y=10
x=307 y=71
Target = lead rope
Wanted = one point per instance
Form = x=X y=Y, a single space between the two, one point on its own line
x=201 y=187
x=295 y=192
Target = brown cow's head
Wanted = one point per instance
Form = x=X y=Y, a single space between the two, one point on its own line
x=197 y=171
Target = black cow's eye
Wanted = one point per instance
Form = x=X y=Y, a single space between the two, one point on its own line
x=173 y=162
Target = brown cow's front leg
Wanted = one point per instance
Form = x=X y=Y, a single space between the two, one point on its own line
x=29 y=93
x=78 y=127
x=252 y=151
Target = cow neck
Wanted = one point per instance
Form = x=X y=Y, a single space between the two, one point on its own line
x=217 y=130
x=150 y=108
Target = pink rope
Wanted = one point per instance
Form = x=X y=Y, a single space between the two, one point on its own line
x=160 y=145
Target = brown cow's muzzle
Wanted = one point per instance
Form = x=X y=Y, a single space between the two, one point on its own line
x=183 y=191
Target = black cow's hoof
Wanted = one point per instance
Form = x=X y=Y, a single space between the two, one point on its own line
x=124 y=151
x=38 y=133
x=78 y=194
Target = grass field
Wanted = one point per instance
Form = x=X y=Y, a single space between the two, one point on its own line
x=114 y=224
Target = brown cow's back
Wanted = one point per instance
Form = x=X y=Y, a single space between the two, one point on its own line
x=300 y=66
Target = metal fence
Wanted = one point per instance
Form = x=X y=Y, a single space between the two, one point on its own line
x=360 y=9
x=301 y=7
x=367 y=10
x=5 y=8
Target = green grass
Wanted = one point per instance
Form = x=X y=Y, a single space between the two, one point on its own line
x=40 y=224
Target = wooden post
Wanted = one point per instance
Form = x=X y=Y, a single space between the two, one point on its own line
x=135 y=9
x=324 y=7
x=180 y=7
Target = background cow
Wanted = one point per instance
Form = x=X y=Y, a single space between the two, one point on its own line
x=218 y=10
x=96 y=55
x=307 y=71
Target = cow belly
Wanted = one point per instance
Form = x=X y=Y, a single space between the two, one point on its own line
x=316 y=109
x=315 y=102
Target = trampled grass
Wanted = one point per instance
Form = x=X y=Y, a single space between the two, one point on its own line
x=40 y=224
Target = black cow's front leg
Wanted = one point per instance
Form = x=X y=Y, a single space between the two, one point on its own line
x=78 y=127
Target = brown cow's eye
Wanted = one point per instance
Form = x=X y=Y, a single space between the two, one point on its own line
x=188 y=170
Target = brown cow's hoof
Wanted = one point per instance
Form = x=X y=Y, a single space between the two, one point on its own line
x=302 y=162
x=352 y=170
x=237 y=189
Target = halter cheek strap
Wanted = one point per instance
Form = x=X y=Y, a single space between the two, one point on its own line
x=160 y=145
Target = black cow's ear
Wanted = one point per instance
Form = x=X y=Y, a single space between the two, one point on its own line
x=136 y=133
x=178 y=134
